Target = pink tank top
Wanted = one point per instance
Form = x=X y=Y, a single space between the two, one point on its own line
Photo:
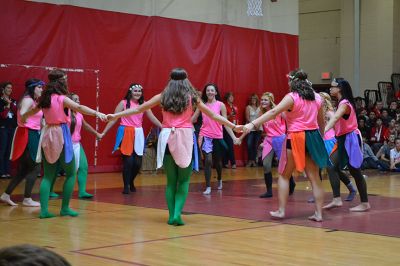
x=275 y=127
x=304 y=113
x=55 y=115
x=183 y=120
x=133 y=120
x=344 y=126
x=211 y=128
x=34 y=121
x=76 y=135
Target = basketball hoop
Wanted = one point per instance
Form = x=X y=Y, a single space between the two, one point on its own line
x=254 y=8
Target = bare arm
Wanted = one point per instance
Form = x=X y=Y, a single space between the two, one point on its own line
x=89 y=128
x=228 y=129
x=342 y=110
x=140 y=109
x=111 y=123
x=321 y=120
x=195 y=115
x=26 y=104
x=153 y=118
x=68 y=103
x=392 y=166
x=247 y=114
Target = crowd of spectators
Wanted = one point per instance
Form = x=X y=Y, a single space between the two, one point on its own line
x=380 y=128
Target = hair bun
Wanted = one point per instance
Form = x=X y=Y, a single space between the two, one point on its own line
x=178 y=74
x=300 y=74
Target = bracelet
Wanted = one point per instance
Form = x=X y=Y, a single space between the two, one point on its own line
x=253 y=124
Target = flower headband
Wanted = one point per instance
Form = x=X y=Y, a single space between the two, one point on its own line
x=293 y=78
x=136 y=86
x=334 y=83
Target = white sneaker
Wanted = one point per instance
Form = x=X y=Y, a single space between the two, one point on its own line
x=207 y=191
x=29 y=202
x=6 y=199
x=219 y=184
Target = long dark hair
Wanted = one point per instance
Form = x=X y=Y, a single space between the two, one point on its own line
x=175 y=97
x=73 y=118
x=301 y=85
x=345 y=90
x=204 y=93
x=57 y=85
x=128 y=95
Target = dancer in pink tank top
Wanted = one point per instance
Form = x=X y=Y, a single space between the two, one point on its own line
x=349 y=142
x=275 y=134
x=130 y=138
x=304 y=148
x=55 y=140
x=334 y=177
x=25 y=144
x=211 y=140
x=175 y=142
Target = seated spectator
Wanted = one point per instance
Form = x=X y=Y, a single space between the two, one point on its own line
x=393 y=109
x=30 y=255
x=377 y=109
x=397 y=128
x=385 y=117
x=371 y=119
x=395 y=157
x=364 y=128
x=364 y=114
x=370 y=161
x=392 y=127
x=379 y=133
x=384 y=152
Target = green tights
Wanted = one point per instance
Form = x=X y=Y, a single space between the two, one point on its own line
x=82 y=178
x=50 y=174
x=178 y=180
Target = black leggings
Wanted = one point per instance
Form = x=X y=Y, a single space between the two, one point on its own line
x=209 y=158
x=27 y=169
x=131 y=168
x=355 y=172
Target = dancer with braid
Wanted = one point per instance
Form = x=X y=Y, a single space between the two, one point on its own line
x=211 y=139
x=275 y=134
x=130 y=136
x=25 y=145
x=330 y=140
x=348 y=148
x=304 y=148
x=55 y=140
x=175 y=142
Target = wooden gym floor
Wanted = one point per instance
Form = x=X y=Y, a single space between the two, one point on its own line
x=228 y=227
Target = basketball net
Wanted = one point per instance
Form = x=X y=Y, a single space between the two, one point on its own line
x=254 y=8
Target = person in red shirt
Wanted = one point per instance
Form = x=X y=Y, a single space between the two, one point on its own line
x=379 y=134
x=232 y=115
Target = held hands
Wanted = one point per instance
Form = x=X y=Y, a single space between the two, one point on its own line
x=99 y=136
x=111 y=117
x=237 y=141
x=102 y=116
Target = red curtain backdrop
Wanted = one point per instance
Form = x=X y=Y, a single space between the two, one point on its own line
x=128 y=48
